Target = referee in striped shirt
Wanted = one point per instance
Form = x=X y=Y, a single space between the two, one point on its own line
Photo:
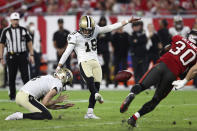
x=18 y=42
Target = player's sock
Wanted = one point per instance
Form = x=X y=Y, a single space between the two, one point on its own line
x=92 y=101
x=136 y=115
x=90 y=110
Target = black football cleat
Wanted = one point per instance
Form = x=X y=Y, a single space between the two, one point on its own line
x=126 y=102
x=131 y=121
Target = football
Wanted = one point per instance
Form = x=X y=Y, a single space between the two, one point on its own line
x=123 y=76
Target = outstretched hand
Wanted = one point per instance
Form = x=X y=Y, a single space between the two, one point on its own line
x=57 y=107
x=61 y=98
x=178 y=84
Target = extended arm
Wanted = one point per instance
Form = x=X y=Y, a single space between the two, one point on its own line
x=190 y=75
x=30 y=47
x=65 y=55
x=47 y=100
x=115 y=26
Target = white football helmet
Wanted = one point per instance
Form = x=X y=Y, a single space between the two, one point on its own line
x=178 y=22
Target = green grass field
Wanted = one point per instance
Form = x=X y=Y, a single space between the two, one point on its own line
x=179 y=107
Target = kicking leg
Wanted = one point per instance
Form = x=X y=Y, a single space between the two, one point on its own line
x=86 y=70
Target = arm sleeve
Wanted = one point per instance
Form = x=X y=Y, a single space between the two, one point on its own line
x=71 y=39
x=3 y=37
x=28 y=36
x=109 y=28
x=66 y=53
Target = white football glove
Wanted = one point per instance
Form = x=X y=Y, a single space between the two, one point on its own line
x=178 y=84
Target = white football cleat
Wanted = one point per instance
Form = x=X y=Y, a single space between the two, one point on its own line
x=15 y=116
x=99 y=98
x=91 y=116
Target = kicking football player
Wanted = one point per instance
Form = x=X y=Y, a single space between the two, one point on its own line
x=84 y=43
x=180 y=57
x=45 y=88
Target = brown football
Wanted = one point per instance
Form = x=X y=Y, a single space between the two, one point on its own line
x=123 y=76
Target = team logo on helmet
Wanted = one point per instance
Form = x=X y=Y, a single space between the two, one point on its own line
x=86 y=26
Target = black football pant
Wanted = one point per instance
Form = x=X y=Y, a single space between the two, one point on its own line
x=14 y=62
x=45 y=114
x=162 y=78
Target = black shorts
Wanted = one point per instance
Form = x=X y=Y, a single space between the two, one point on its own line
x=161 y=77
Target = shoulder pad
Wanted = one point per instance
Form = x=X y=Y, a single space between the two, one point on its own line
x=72 y=37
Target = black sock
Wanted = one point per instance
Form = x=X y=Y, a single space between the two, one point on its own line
x=92 y=101
x=37 y=116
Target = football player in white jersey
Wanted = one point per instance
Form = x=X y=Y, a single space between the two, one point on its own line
x=45 y=88
x=84 y=43
x=179 y=28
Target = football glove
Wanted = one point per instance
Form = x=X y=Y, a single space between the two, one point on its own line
x=178 y=84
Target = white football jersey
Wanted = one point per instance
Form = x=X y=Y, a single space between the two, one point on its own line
x=182 y=33
x=85 y=48
x=40 y=86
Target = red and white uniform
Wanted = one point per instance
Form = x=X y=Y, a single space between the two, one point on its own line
x=181 y=56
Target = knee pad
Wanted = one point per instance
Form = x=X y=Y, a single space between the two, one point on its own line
x=136 y=89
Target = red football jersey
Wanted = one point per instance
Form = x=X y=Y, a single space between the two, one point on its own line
x=181 y=56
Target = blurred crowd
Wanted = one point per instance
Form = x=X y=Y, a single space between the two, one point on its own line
x=137 y=7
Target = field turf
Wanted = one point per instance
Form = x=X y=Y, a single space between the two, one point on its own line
x=178 y=112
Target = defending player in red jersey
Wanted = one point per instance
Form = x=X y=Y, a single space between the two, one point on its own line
x=181 y=57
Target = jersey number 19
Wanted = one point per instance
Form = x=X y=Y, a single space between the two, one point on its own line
x=93 y=45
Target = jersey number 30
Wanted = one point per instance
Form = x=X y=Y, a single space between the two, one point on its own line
x=93 y=45
x=183 y=56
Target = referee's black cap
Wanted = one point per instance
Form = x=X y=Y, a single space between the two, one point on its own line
x=60 y=20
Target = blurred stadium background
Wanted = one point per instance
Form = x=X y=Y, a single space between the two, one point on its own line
x=45 y=14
